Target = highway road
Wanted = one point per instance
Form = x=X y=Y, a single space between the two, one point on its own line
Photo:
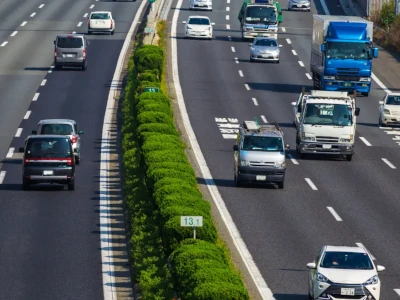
x=325 y=201
x=49 y=241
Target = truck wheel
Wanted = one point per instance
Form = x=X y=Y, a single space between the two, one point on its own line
x=365 y=94
x=349 y=157
x=238 y=183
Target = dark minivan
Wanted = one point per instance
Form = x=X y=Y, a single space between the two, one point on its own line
x=48 y=159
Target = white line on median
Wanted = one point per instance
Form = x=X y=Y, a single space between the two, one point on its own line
x=79 y=24
x=10 y=152
x=264 y=119
x=3 y=44
x=43 y=82
x=288 y=41
x=35 y=97
x=397 y=291
x=283 y=29
x=241 y=73
x=388 y=163
x=227 y=8
x=85 y=15
x=309 y=76
x=294 y=52
x=23 y=23
x=18 y=133
x=32 y=15
x=365 y=141
x=91 y=6
x=41 y=5
x=294 y=161
x=301 y=63
x=311 y=184
x=233 y=49
x=247 y=86
x=14 y=33
x=334 y=214
x=228 y=26
x=27 y=115
x=227 y=17
x=2 y=175
x=236 y=60
x=362 y=246
x=255 y=101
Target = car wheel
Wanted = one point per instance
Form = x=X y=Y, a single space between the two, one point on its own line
x=281 y=185
x=277 y=61
x=89 y=32
x=381 y=123
x=349 y=157
x=57 y=66
x=71 y=185
x=77 y=159
x=25 y=184
x=112 y=32
x=238 y=183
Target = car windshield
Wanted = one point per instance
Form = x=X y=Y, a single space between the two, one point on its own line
x=265 y=42
x=262 y=143
x=260 y=15
x=60 y=129
x=69 y=42
x=103 y=16
x=393 y=100
x=343 y=50
x=48 y=148
x=346 y=260
x=332 y=114
x=199 y=21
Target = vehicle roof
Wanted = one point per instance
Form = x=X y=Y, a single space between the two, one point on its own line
x=47 y=136
x=57 y=121
x=71 y=34
x=393 y=94
x=345 y=249
x=199 y=17
x=100 y=12
x=265 y=130
x=328 y=101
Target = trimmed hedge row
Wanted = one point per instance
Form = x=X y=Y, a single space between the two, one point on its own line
x=201 y=269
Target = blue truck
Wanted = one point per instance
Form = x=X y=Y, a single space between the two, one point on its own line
x=342 y=53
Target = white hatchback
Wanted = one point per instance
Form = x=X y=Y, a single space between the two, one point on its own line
x=340 y=271
x=389 y=110
x=200 y=4
x=198 y=27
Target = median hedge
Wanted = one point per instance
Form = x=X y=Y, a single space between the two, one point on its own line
x=201 y=268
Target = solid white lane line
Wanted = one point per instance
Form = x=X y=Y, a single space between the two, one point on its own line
x=334 y=214
x=79 y=24
x=227 y=8
x=288 y=41
x=255 y=101
x=264 y=119
x=362 y=246
x=85 y=15
x=41 y=5
x=236 y=60
x=311 y=184
x=35 y=97
x=2 y=175
x=14 y=33
x=91 y=6
x=294 y=52
x=247 y=86
x=10 y=152
x=283 y=29
x=229 y=38
x=388 y=163
x=294 y=161
x=32 y=15
x=309 y=76
x=228 y=26
x=227 y=17
x=3 y=44
x=397 y=291
x=233 y=49
x=27 y=115
x=240 y=73
x=18 y=133
x=365 y=141
x=43 y=82
x=23 y=23
x=301 y=63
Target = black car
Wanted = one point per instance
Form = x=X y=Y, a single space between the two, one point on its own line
x=48 y=159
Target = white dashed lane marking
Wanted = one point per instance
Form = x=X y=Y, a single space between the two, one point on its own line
x=334 y=214
x=233 y=49
x=301 y=63
x=2 y=175
x=41 y=5
x=388 y=163
x=227 y=17
x=288 y=41
x=3 y=44
x=10 y=152
x=255 y=101
x=264 y=119
x=24 y=23
x=236 y=60
x=397 y=291
x=227 y=9
x=283 y=29
x=309 y=76
x=14 y=33
x=35 y=97
x=241 y=73
x=365 y=141
x=43 y=82
x=91 y=6
x=311 y=184
x=27 y=115
x=247 y=86
x=32 y=15
x=228 y=26
x=18 y=133
x=294 y=161
x=228 y=1
x=294 y=52
x=79 y=24
x=85 y=15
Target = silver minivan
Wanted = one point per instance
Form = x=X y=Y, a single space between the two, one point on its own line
x=260 y=154
x=70 y=50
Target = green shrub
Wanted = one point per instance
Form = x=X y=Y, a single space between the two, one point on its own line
x=387 y=14
x=217 y=291
x=156 y=174
x=173 y=155
x=146 y=50
x=150 y=61
x=184 y=188
x=152 y=105
x=189 y=201
x=169 y=143
x=159 y=97
x=144 y=84
x=148 y=76
x=156 y=127
x=185 y=168
x=147 y=117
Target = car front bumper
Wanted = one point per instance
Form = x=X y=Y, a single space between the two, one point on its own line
x=324 y=148
x=199 y=34
x=333 y=291
x=264 y=57
x=261 y=174
x=391 y=119
x=299 y=6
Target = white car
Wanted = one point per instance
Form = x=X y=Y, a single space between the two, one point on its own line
x=299 y=5
x=200 y=4
x=198 y=27
x=101 y=21
x=389 y=110
x=340 y=271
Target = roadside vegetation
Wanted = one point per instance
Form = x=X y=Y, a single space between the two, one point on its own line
x=388 y=32
x=160 y=187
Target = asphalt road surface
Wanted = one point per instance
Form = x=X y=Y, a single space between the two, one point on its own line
x=49 y=241
x=325 y=201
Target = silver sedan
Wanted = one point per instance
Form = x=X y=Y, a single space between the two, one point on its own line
x=264 y=49
x=299 y=5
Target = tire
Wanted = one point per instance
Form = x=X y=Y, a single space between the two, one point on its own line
x=365 y=94
x=89 y=32
x=84 y=66
x=71 y=185
x=57 y=67
x=77 y=159
x=112 y=32
x=25 y=184
x=238 y=183
x=277 y=62
x=251 y=60
x=349 y=157
x=281 y=185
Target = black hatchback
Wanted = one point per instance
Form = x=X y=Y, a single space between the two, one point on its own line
x=48 y=159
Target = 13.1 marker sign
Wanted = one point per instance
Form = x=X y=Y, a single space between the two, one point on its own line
x=192 y=221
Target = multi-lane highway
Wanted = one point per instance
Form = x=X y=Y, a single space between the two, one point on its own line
x=49 y=241
x=325 y=201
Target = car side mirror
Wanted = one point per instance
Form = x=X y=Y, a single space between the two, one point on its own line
x=280 y=13
x=380 y=268
x=212 y=24
x=375 y=52
x=34 y=132
x=287 y=147
x=311 y=265
x=184 y=22
x=381 y=102
x=235 y=148
x=357 y=111
x=250 y=44
x=323 y=48
x=54 y=42
x=294 y=103
x=21 y=150
x=81 y=132
x=75 y=150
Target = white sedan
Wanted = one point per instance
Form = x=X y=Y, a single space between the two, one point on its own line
x=340 y=271
x=200 y=4
x=101 y=21
x=389 y=109
x=198 y=27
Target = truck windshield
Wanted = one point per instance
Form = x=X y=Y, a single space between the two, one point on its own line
x=344 y=50
x=262 y=143
x=260 y=15
x=328 y=114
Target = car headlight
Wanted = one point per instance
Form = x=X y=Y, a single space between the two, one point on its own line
x=187 y=27
x=253 y=49
x=345 y=140
x=367 y=79
x=322 y=278
x=244 y=163
x=249 y=28
x=386 y=111
x=307 y=138
x=372 y=280
x=329 y=77
x=280 y=164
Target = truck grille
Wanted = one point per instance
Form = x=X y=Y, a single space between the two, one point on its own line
x=327 y=139
x=360 y=292
x=348 y=71
x=348 y=78
x=263 y=30
x=261 y=164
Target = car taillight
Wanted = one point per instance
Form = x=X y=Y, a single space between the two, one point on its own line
x=26 y=161
x=84 y=54
x=88 y=23
x=74 y=139
x=69 y=161
x=55 y=53
x=111 y=25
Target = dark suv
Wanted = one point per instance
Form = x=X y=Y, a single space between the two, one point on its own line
x=48 y=159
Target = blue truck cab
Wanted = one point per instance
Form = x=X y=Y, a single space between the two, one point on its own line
x=342 y=53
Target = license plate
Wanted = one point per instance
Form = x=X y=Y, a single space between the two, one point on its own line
x=47 y=173
x=347 y=292
x=347 y=84
x=70 y=55
x=261 y=177
x=326 y=146
x=201 y=4
x=266 y=56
